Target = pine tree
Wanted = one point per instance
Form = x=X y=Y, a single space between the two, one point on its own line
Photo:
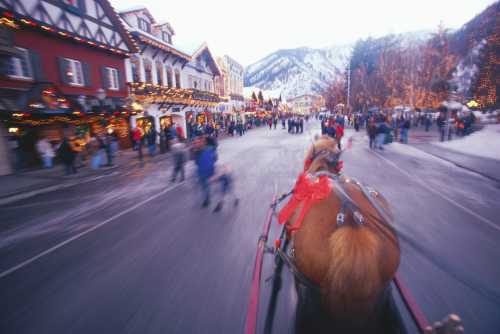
x=261 y=97
x=254 y=97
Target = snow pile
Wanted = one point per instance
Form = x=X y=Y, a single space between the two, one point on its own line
x=484 y=143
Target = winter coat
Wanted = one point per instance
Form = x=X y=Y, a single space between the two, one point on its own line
x=136 y=135
x=66 y=152
x=372 y=130
x=382 y=128
x=151 y=138
x=205 y=161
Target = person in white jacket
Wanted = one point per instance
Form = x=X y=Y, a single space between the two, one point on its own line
x=44 y=148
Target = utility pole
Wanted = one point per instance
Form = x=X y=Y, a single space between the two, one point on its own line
x=348 y=84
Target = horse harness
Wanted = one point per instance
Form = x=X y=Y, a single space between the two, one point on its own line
x=347 y=204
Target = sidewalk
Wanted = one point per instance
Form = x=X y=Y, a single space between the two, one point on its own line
x=33 y=182
x=426 y=141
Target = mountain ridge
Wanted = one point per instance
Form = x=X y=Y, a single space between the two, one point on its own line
x=306 y=70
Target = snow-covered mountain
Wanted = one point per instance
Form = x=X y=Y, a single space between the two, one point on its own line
x=306 y=70
x=297 y=71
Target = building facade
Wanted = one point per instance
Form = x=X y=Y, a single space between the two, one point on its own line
x=68 y=73
x=168 y=84
x=231 y=84
x=306 y=104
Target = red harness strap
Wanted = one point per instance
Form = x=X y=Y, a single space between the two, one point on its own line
x=306 y=191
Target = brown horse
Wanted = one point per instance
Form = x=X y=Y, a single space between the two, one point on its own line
x=351 y=263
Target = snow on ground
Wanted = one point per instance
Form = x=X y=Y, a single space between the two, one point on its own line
x=405 y=149
x=484 y=143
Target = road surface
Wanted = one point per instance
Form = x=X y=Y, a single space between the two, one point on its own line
x=133 y=253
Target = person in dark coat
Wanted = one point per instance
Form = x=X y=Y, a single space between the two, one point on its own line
x=441 y=123
x=205 y=163
x=297 y=125
x=67 y=155
x=151 y=140
x=301 y=125
x=372 y=133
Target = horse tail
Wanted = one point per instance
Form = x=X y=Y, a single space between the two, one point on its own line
x=353 y=280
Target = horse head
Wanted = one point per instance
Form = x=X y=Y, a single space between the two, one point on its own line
x=323 y=155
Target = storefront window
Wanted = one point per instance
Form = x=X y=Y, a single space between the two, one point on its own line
x=148 y=71
x=169 y=77
x=177 y=79
x=159 y=73
x=201 y=119
x=145 y=124
x=136 y=69
x=165 y=122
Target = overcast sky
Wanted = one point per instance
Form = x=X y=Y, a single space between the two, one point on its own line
x=249 y=30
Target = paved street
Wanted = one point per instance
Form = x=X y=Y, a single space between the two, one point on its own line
x=133 y=253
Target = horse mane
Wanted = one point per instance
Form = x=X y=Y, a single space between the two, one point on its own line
x=359 y=259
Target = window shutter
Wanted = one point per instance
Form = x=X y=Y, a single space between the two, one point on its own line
x=63 y=65
x=121 y=80
x=104 y=78
x=87 y=77
x=36 y=65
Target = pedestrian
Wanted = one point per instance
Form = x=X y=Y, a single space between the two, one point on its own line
x=441 y=123
x=283 y=123
x=44 y=148
x=339 y=133
x=301 y=125
x=405 y=127
x=297 y=125
x=290 y=125
x=137 y=136
x=381 y=132
x=275 y=122
x=179 y=151
x=270 y=123
x=356 y=123
x=226 y=181
x=239 y=127
x=94 y=148
x=372 y=133
x=428 y=122
x=205 y=161
x=108 y=148
x=151 y=141
x=68 y=156
x=331 y=128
